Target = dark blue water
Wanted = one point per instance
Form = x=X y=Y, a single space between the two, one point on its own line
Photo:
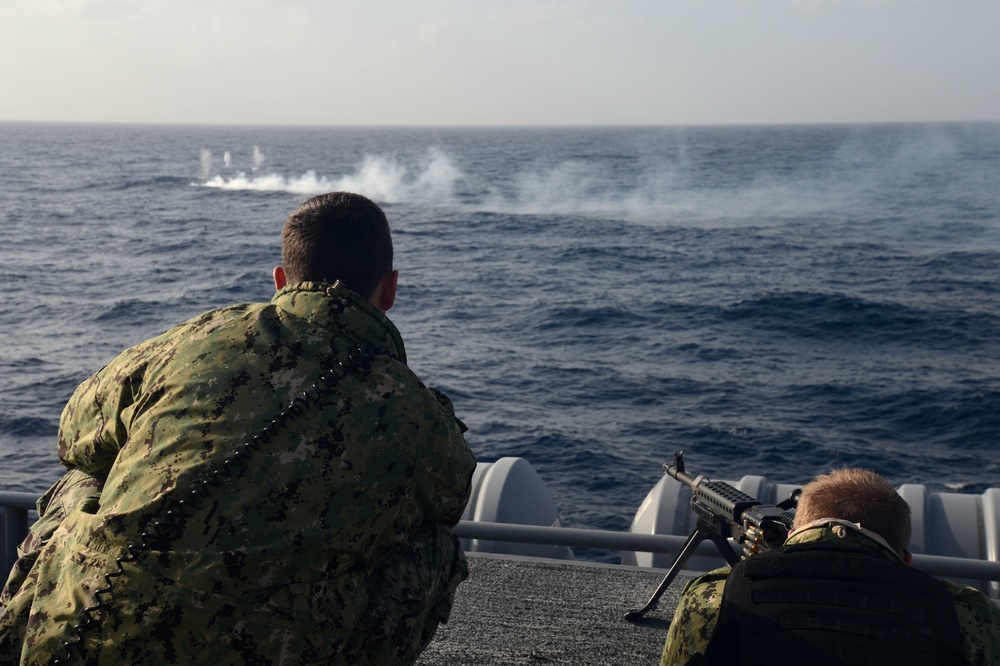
x=773 y=300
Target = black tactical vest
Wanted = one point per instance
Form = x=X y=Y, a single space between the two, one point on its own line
x=820 y=604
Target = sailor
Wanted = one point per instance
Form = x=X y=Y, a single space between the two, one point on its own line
x=841 y=591
x=266 y=483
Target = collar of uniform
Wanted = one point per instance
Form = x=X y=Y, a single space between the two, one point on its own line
x=842 y=532
x=335 y=307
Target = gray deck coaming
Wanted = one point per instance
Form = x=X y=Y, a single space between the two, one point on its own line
x=517 y=610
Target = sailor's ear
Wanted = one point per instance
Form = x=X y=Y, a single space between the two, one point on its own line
x=279 y=278
x=907 y=558
x=385 y=293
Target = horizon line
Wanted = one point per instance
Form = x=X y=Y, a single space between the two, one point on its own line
x=457 y=126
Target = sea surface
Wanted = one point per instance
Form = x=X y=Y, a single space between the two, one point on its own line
x=774 y=300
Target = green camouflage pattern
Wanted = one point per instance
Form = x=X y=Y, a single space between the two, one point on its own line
x=399 y=622
x=695 y=618
x=274 y=564
x=698 y=609
x=75 y=490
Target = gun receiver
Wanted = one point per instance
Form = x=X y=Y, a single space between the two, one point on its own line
x=723 y=512
x=733 y=514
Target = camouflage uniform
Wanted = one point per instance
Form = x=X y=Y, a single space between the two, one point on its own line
x=698 y=610
x=324 y=540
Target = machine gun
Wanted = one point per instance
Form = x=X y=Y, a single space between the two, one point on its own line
x=724 y=512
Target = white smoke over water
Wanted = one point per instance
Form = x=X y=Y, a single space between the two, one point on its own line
x=653 y=190
x=307 y=183
x=567 y=188
x=432 y=178
x=206 y=162
x=659 y=193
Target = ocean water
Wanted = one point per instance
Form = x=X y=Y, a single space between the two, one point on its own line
x=771 y=300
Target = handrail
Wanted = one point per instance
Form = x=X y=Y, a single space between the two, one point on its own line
x=937 y=565
x=15 y=508
x=16 y=505
x=17 y=500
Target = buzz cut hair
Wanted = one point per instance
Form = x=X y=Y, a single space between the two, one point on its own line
x=860 y=496
x=337 y=236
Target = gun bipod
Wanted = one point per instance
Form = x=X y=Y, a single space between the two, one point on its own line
x=701 y=532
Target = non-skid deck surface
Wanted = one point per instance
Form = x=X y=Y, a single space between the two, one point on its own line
x=523 y=611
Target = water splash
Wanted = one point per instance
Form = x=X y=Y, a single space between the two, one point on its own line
x=206 y=162
x=308 y=183
x=432 y=178
x=846 y=177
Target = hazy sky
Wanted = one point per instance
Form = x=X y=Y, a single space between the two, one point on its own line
x=515 y=62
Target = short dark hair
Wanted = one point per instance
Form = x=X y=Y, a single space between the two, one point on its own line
x=860 y=496
x=337 y=236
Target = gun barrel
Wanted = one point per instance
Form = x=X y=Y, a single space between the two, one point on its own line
x=724 y=512
x=680 y=475
x=727 y=501
x=718 y=500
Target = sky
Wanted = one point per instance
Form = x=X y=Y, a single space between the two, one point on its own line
x=511 y=62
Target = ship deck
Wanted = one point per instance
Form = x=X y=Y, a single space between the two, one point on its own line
x=514 y=610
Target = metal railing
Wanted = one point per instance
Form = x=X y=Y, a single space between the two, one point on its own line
x=16 y=508
x=952 y=567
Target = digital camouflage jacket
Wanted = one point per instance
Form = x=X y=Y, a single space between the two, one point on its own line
x=286 y=510
x=698 y=609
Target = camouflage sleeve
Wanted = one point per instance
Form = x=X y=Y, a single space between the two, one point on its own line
x=448 y=465
x=92 y=427
x=75 y=490
x=979 y=620
x=695 y=618
x=91 y=432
